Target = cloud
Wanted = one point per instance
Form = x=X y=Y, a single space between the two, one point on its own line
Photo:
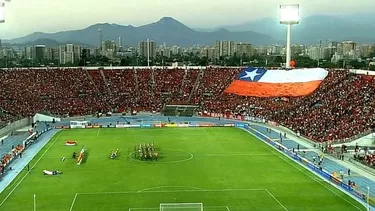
x=27 y=16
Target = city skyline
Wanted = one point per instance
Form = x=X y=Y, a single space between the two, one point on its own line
x=24 y=17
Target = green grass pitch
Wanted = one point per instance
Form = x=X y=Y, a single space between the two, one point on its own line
x=223 y=168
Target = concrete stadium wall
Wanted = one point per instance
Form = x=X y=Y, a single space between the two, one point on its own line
x=15 y=125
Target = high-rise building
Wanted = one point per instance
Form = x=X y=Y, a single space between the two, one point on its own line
x=176 y=50
x=49 y=54
x=62 y=50
x=29 y=52
x=69 y=53
x=224 y=48
x=108 y=48
x=315 y=53
x=77 y=50
x=348 y=47
x=109 y=45
x=39 y=53
x=144 y=46
x=244 y=49
x=366 y=50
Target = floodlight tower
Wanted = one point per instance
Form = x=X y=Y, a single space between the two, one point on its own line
x=148 y=52
x=289 y=15
x=2 y=11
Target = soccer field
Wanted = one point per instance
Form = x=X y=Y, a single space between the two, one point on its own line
x=223 y=168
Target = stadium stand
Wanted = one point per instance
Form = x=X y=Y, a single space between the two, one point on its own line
x=341 y=108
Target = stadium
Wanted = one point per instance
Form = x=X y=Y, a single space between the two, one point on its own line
x=209 y=149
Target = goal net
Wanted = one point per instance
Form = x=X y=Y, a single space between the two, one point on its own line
x=151 y=124
x=181 y=207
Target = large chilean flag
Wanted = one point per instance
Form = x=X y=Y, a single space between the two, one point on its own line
x=259 y=82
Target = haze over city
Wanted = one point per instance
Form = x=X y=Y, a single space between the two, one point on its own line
x=24 y=17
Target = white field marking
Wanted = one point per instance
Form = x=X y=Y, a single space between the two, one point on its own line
x=14 y=183
x=97 y=134
x=179 y=161
x=158 y=208
x=204 y=129
x=74 y=201
x=288 y=161
x=276 y=200
x=169 y=191
x=99 y=156
x=233 y=154
x=158 y=187
x=27 y=173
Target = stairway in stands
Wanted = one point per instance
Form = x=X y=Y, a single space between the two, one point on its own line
x=100 y=85
x=106 y=82
x=197 y=83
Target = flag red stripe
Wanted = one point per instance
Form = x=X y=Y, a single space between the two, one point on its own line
x=261 y=89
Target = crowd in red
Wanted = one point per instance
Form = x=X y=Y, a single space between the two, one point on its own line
x=342 y=107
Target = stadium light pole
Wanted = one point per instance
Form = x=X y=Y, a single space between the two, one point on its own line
x=289 y=15
x=148 y=52
x=2 y=11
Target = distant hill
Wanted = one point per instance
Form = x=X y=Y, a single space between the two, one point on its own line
x=166 y=30
x=359 y=28
x=47 y=42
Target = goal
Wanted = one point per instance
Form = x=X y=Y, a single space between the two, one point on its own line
x=151 y=124
x=181 y=207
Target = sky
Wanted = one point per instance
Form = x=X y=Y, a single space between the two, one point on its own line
x=27 y=16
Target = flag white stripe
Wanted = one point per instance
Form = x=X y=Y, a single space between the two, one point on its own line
x=294 y=76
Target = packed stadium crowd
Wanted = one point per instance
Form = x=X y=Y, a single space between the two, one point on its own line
x=342 y=107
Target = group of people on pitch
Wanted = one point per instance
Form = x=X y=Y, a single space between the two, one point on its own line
x=146 y=151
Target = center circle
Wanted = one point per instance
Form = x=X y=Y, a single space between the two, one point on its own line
x=167 y=156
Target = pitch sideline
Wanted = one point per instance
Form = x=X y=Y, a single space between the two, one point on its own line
x=27 y=173
x=288 y=160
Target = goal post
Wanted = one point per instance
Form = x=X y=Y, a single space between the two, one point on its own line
x=151 y=124
x=181 y=207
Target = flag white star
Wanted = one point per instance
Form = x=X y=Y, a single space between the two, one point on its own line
x=251 y=74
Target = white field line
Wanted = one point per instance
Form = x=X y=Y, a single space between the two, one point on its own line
x=204 y=129
x=149 y=190
x=97 y=134
x=158 y=208
x=233 y=154
x=276 y=200
x=74 y=201
x=288 y=161
x=14 y=182
x=195 y=155
x=27 y=173
x=158 y=187
x=169 y=191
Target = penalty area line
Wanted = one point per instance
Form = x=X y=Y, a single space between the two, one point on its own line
x=276 y=200
x=73 y=202
x=27 y=173
x=97 y=134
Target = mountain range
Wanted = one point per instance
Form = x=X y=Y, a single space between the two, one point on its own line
x=167 y=30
